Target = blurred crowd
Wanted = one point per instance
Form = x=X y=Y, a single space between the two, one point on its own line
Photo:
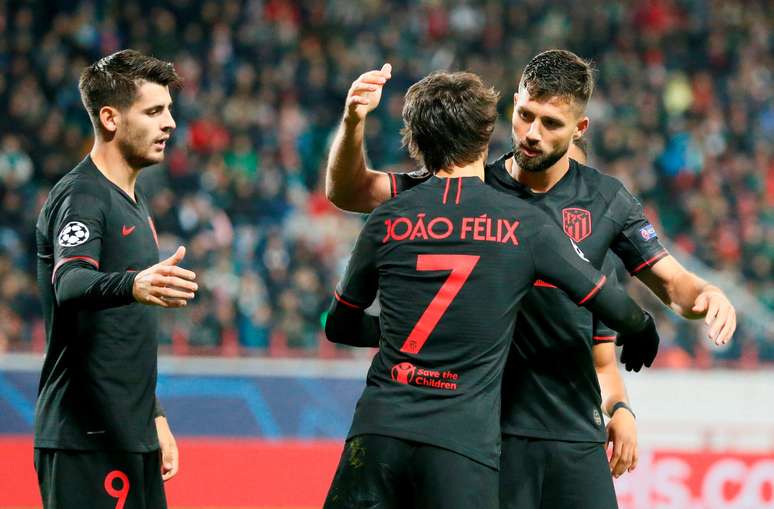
x=681 y=114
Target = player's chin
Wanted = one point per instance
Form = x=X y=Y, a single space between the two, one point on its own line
x=155 y=155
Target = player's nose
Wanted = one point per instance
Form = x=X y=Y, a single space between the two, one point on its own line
x=533 y=133
x=168 y=122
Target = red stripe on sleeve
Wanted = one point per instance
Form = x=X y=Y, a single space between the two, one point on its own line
x=542 y=284
x=594 y=290
x=348 y=304
x=604 y=339
x=61 y=262
x=394 y=185
x=650 y=262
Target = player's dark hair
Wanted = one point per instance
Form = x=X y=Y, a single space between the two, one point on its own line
x=448 y=119
x=114 y=80
x=559 y=73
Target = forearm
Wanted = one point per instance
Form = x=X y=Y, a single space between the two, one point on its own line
x=617 y=310
x=675 y=286
x=612 y=388
x=349 y=184
x=353 y=327
x=79 y=283
x=682 y=292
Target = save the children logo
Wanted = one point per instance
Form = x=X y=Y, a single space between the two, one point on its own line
x=403 y=373
x=408 y=374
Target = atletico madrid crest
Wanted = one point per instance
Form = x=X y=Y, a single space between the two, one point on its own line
x=576 y=223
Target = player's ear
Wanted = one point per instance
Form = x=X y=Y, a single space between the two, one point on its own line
x=580 y=127
x=515 y=97
x=109 y=118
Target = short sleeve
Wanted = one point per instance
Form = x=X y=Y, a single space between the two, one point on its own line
x=77 y=226
x=636 y=244
x=400 y=182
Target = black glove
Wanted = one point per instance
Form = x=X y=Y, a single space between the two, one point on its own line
x=640 y=347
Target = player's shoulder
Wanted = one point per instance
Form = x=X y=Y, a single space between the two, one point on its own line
x=507 y=205
x=81 y=180
x=406 y=198
x=603 y=184
x=82 y=188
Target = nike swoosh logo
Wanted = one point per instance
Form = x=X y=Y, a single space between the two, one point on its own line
x=127 y=230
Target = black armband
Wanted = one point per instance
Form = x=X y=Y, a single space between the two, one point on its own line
x=622 y=404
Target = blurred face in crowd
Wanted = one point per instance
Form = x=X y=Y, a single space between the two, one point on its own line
x=543 y=130
x=143 y=128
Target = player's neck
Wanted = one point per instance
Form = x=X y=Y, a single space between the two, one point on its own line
x=539 y=181
x=112 y=164
x=474 y=169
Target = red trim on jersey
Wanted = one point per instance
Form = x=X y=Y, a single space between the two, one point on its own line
x=348 y=304
x=459 y=190
x=594 y=290
x=542 y=284
x=61 y=262
x=650 y=262
x=604 y=339
x=153 y=229
x=446 y=192
x=394 y=185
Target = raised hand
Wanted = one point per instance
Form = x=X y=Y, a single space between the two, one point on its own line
x=365 y=93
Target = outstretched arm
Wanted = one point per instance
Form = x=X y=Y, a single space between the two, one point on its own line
x=349 y=183
x=691 y=297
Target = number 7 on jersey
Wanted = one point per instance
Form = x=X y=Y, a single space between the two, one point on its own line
x=460 y=266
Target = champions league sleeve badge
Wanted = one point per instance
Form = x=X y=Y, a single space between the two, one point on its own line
x=73 y=234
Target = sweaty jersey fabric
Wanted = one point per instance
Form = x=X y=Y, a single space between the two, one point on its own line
x=550 y=387
x=451 y=259
x=98 y=380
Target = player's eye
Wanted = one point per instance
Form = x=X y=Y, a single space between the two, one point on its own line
x=524 y=115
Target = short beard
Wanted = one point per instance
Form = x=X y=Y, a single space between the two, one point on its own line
x=129 y=146
x=539 y=163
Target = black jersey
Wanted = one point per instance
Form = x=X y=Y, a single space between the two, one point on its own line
x=550 y=388
x=98 y=380
x=451 y=259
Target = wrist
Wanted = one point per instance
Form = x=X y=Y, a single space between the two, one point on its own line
x=352 y=121
x=130 y=290
x=647 y=321
x=620 y=405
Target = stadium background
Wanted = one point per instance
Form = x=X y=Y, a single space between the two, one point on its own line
x=683 y=115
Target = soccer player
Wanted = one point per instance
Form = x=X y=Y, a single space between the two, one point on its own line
x=451 y=259
x=552 y=423
x=101 y=284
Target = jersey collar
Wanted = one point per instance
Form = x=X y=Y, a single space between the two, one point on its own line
x=497 y=171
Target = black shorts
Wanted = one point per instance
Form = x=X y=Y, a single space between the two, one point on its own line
x=379 y=472
x=552 y=474
x=99 y=479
